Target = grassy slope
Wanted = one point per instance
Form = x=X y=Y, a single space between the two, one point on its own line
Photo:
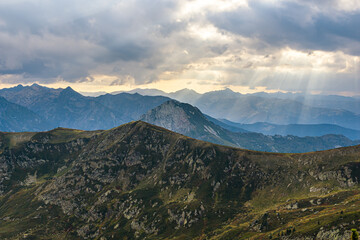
x=23 y=215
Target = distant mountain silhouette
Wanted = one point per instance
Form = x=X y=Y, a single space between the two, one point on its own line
x=301 y=130
x=68 y=108
x=16 y=118
x=251 y=108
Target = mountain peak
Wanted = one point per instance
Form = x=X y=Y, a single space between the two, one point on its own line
x=186 y=90
x=228 y=90
x=36 y=86
x=175 y=116
x=69 y=90
x=184 y=106
x=185 y=119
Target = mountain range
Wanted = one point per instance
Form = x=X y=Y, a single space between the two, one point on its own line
x=67 y=108
x=270 y=108
x=188 y=120
x=140 y=181
x=351 y=104
x=300 y=130
x=37 y=108
x=16 y=118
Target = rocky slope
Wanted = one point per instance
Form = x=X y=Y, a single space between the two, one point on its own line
x=139 y=181
x=188 y=120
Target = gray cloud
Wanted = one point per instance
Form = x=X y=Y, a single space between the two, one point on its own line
x=294 y=24
x=136 y=41
x=85 y=38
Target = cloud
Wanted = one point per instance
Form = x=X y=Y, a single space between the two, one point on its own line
x=260 y=43
x=294 y=24
x=49 y=40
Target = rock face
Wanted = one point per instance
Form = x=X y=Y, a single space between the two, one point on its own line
x=188 y=120
x=140 y=181
x=174 y=116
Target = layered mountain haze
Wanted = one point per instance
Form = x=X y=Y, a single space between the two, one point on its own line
x=251 y=108
x=31 y=97
x=67 y=108
x=140 y=181
x=16 y=118
x=188 y=120
x=129 y=107
x=63 y=107
x=301 y=130
x=351 y=104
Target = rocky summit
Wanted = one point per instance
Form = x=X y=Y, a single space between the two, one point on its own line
x=140 y=181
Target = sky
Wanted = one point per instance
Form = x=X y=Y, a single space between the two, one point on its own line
x=245 y=45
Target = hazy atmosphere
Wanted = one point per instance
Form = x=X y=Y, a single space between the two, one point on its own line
x=248 y=46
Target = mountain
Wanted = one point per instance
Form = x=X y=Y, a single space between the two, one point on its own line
x=30 y=97
x=301 y=130
x=250 y=108
x=129 y=107
x=188 y=120
x=62 y=107
x=71 y=109
x=15 y=118
x=139 y=181
x=188 y=94
x=146 y=92
x=185 y=95
x=92 y=94
x=68 y=108
x=351 y=104
x=231 y=126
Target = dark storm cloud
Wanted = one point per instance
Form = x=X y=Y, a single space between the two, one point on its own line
x=294 y=24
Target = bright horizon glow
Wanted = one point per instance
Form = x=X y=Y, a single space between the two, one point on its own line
x=94 y=89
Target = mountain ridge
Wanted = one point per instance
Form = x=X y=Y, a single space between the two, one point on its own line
x=251 y=108
x=301 y=130
x=15 y=118
x=143 y=181
x=68 y=108
x=188 y=120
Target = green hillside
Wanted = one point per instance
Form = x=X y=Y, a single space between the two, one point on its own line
x=139 y=181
